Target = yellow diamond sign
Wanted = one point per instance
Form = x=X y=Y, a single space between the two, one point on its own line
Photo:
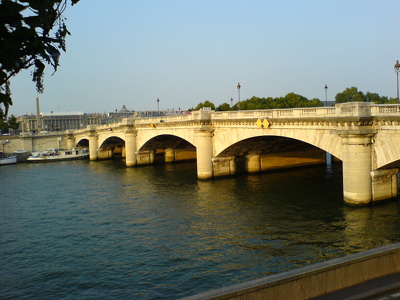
x=263 y=123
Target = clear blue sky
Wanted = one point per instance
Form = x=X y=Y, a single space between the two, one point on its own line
x=185 y=52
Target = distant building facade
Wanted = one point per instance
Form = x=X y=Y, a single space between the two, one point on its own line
x=58 y=121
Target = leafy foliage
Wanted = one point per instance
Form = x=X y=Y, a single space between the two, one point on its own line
x=350 y=95
x=291 y=100
x=32 y=34
x=13 y=123
x=353 y=94
x=205 y=104
x=6 y=124
x=223 y=107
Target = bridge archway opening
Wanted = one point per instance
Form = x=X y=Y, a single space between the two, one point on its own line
x=263 y=153
x=392 y=165
x=112 y=148
x=169 y=149
x=83 y=143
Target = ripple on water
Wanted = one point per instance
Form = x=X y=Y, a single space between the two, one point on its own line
x=100 y=230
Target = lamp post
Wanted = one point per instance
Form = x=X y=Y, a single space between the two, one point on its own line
x=238 y=87
x=397 y=70
x=326 y=94
x=158 y=105
x=231 y=102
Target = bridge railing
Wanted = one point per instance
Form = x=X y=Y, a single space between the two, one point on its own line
x=159 y=119
x=385 y=109
x=343 y=109
x=275 y=113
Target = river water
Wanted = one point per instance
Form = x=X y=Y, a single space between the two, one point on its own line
x=99 y=230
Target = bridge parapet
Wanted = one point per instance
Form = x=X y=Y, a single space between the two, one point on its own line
x=180 y=118
x=349 y=109
x=275 y=113
x=385 y=109
x=199 y=115
x=366 y=109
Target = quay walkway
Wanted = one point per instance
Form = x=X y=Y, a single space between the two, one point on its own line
x=371 y=274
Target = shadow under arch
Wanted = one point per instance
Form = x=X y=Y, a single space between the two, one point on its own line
x=112 y=147
x=169 y=148
x=275 y=152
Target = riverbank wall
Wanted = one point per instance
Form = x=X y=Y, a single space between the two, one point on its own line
x=318 y=279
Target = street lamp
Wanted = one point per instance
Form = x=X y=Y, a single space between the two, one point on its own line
x=326 y=94
x=238 y=87
x=158 y=105
x=397 y=70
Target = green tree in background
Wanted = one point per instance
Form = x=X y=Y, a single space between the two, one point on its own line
x=32 y=34
x=291 y=100
x=10 y=123
x=2 y=119
x=13 y=123
x=352 y=94
x=205 y=104
x=224 y=107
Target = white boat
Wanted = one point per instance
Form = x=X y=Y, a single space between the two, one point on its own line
x=7 y=159
x=20 y=152
x=58 y=155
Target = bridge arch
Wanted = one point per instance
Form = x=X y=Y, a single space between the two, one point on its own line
x=83 y=142
x=387 y=151
x=145 y=136
x=164 y=141
x=111 y=147
x=327 y=142
x=266 y=152
x=165 y=148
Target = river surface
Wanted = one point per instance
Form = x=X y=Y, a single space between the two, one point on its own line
x=99 y=230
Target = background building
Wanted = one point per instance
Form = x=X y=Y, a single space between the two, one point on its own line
x=58 y=121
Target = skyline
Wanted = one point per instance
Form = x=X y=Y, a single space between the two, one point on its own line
x=185 y=53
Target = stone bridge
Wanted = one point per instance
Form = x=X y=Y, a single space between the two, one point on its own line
x=365 y=137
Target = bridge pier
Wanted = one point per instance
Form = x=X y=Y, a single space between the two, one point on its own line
x=93 y=145
x=384 y=184
x=185 y=154
x=105 y=154
x=204 y=153
x=224 y=166
x=145 y=157
x=253 y=163
x=174 y=155
x=169 y=154
x=357 y=167
x=70 y=142
x=130 y=148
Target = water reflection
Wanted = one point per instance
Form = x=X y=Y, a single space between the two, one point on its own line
x=370 y=227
